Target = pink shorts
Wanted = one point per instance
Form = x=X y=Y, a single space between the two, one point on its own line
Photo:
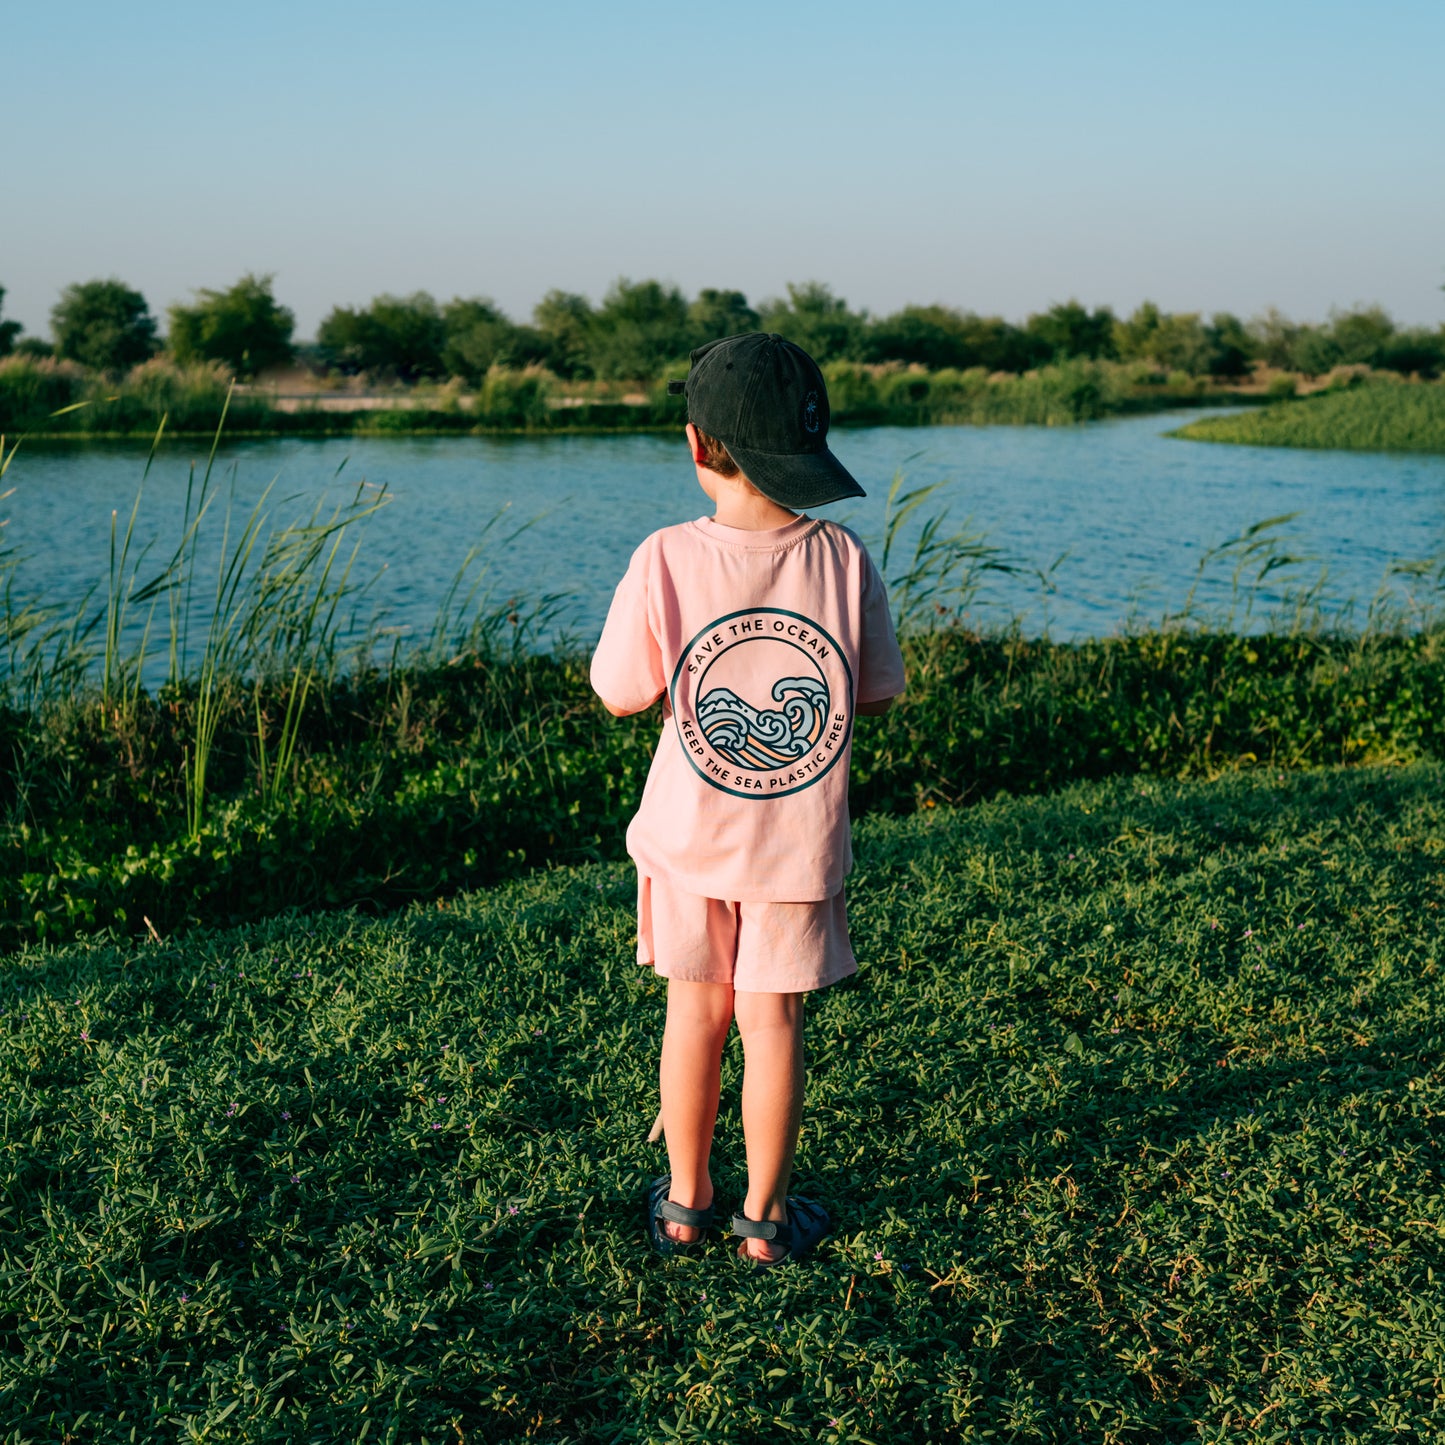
x=756 y=947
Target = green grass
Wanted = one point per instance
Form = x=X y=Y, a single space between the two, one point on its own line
x=1130 y=1123
x=1375 y=417
x=414 y=783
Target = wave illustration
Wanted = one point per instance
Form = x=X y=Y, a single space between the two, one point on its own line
x=763 y=739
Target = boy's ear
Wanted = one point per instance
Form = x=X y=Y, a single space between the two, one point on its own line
x=695 y=442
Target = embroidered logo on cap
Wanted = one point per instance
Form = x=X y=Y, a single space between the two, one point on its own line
x=810 y=412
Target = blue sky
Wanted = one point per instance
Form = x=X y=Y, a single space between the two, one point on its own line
x=997 y=157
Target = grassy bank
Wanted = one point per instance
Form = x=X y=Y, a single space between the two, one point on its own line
x=1374 y=417
x=412 y=782
x=1129 y=1124
x=46 y=398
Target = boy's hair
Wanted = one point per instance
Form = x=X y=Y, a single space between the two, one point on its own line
x=715 y=456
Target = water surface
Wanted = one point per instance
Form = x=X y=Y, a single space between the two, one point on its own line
x=1129 y=510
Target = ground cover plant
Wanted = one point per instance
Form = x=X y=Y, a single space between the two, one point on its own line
x=411 y=784
x=1376 y=416
x=1131 y=1124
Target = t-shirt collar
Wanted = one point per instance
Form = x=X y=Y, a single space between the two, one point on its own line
x=768 y=540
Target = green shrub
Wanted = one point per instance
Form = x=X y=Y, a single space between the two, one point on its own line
x=32 y=388
x=1373 y=415
x=412 y=783
x=510 y=398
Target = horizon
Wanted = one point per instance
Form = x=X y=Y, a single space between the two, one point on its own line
x=997 y=163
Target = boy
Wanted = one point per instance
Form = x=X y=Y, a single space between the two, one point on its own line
x=764 y=632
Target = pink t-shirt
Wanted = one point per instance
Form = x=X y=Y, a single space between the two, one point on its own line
x=761 y=645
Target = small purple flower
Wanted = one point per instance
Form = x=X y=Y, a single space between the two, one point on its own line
x=230 y=1111
x=295 y=1178
x=488 y=1286
x=85 y=1036
x=285 y=1113
x=436 y=1126
x=185 y=1298
x=1299 y=928
x=537 y=1033
x=703 y=1295
x=511 y=1209
x=877 y=1254
x=835 y=1422
x=1249 y=933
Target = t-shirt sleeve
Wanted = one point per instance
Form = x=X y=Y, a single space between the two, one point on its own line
x=627 y=665
x=880 y=663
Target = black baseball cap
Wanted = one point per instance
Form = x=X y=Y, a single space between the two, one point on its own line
x=764 y=398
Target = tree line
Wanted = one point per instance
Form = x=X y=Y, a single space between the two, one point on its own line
x=642 y=328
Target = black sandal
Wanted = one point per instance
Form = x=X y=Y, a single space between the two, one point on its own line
x=806 y=1224
x=659 y=1206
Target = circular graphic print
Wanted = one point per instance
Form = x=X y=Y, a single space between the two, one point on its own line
x=762 y=700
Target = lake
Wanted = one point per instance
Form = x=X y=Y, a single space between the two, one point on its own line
x=1129 y=510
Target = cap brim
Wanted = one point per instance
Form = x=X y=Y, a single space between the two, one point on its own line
x=797 y=479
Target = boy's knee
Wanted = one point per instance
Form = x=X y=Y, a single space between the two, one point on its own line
x=704 y=1007
x=765 y=1012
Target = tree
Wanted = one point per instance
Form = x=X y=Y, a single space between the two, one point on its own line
x=1134 y=339
x=1230 y=348
x=477 y=336
x=9 y=330
x=1314 y=351
x=103 y=324
x=815 y=319
x=1361 y=335
x=242 y=327
x=1273 y=336
x=401 y=336
x=931 y=336
x=638 y=329
x=1415 y=350
x=1069 y=330
x=564 y=322
x=716 y=314
x=1180 y=341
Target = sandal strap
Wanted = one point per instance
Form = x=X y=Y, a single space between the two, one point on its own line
x=681 y=1214
x=756 y=1228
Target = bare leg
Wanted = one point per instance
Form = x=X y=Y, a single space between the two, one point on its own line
x=698 y=1018
x=771 y=1025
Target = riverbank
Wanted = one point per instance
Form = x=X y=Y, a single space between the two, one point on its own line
x=1372 y=416
x=46 y=399
x=237 y=799
x=1127 y=1124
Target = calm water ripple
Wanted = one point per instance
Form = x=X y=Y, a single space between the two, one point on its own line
x=1132 y=510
